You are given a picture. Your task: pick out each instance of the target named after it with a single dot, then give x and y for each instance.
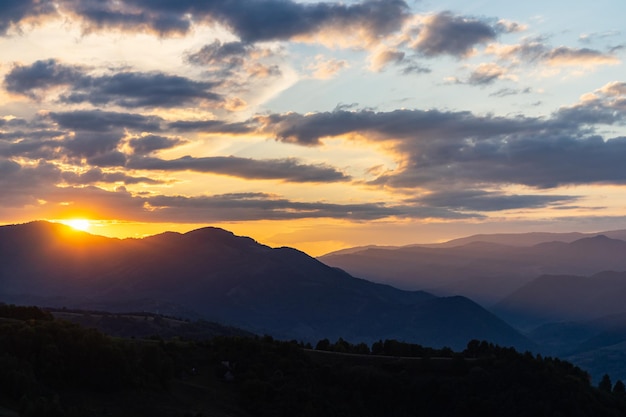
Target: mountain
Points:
(484, 271)
(566, 298)
(212, 274)
(525, 239)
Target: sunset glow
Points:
(78, 224)
(317, 125)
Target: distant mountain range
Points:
(212, 274)
(486, 268)
(566, 298)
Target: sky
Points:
(315, 125)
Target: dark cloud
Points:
(99, 120)
(123, 15)
(40, 76)
(415, 68)
(503, 92)
(14, 122)
(12, 12)
(227, 56)
(252, 21)
(536, 50)
(91, 135)
(91, 144)
(279, 19)
(289, 169)
(423, 124)
(479, 200)
(444, 148)
(151, 143)
(97, 175)
(96, 135)
(212, 126)
(448, 34)
(109, 158)
(134, 89)
(125, 89)
(8, 167)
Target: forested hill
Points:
(55, 368)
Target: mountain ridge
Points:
(484, 271)
(236, 281)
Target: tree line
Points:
(47, 364)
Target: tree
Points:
(605, 384)
(619, 387)
(323, 344)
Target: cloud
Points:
(100, 120)
(593, 36)
(289, 169)
(211, 126)
(261, 20)
(536, 51)
(309, 129)
(325, 68)
(225, 60)
(486, 73)
(606, 105)
(480, 200)
(507, 26)
(35, 79)
(503, 92)
(384, 57)
(278, 19)
(97, 175)
(414, 68)
(130, 16)
(227, 55)
(442, 148)
(13, 12)
(565, 56)
(447, 34)
(92, 144)
(151, 143)
(125, 89)
(94, 135)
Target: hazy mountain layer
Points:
(566, 298)
(484, 271)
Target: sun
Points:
(78, 224)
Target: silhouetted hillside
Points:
(55, 368)
(234, 280)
